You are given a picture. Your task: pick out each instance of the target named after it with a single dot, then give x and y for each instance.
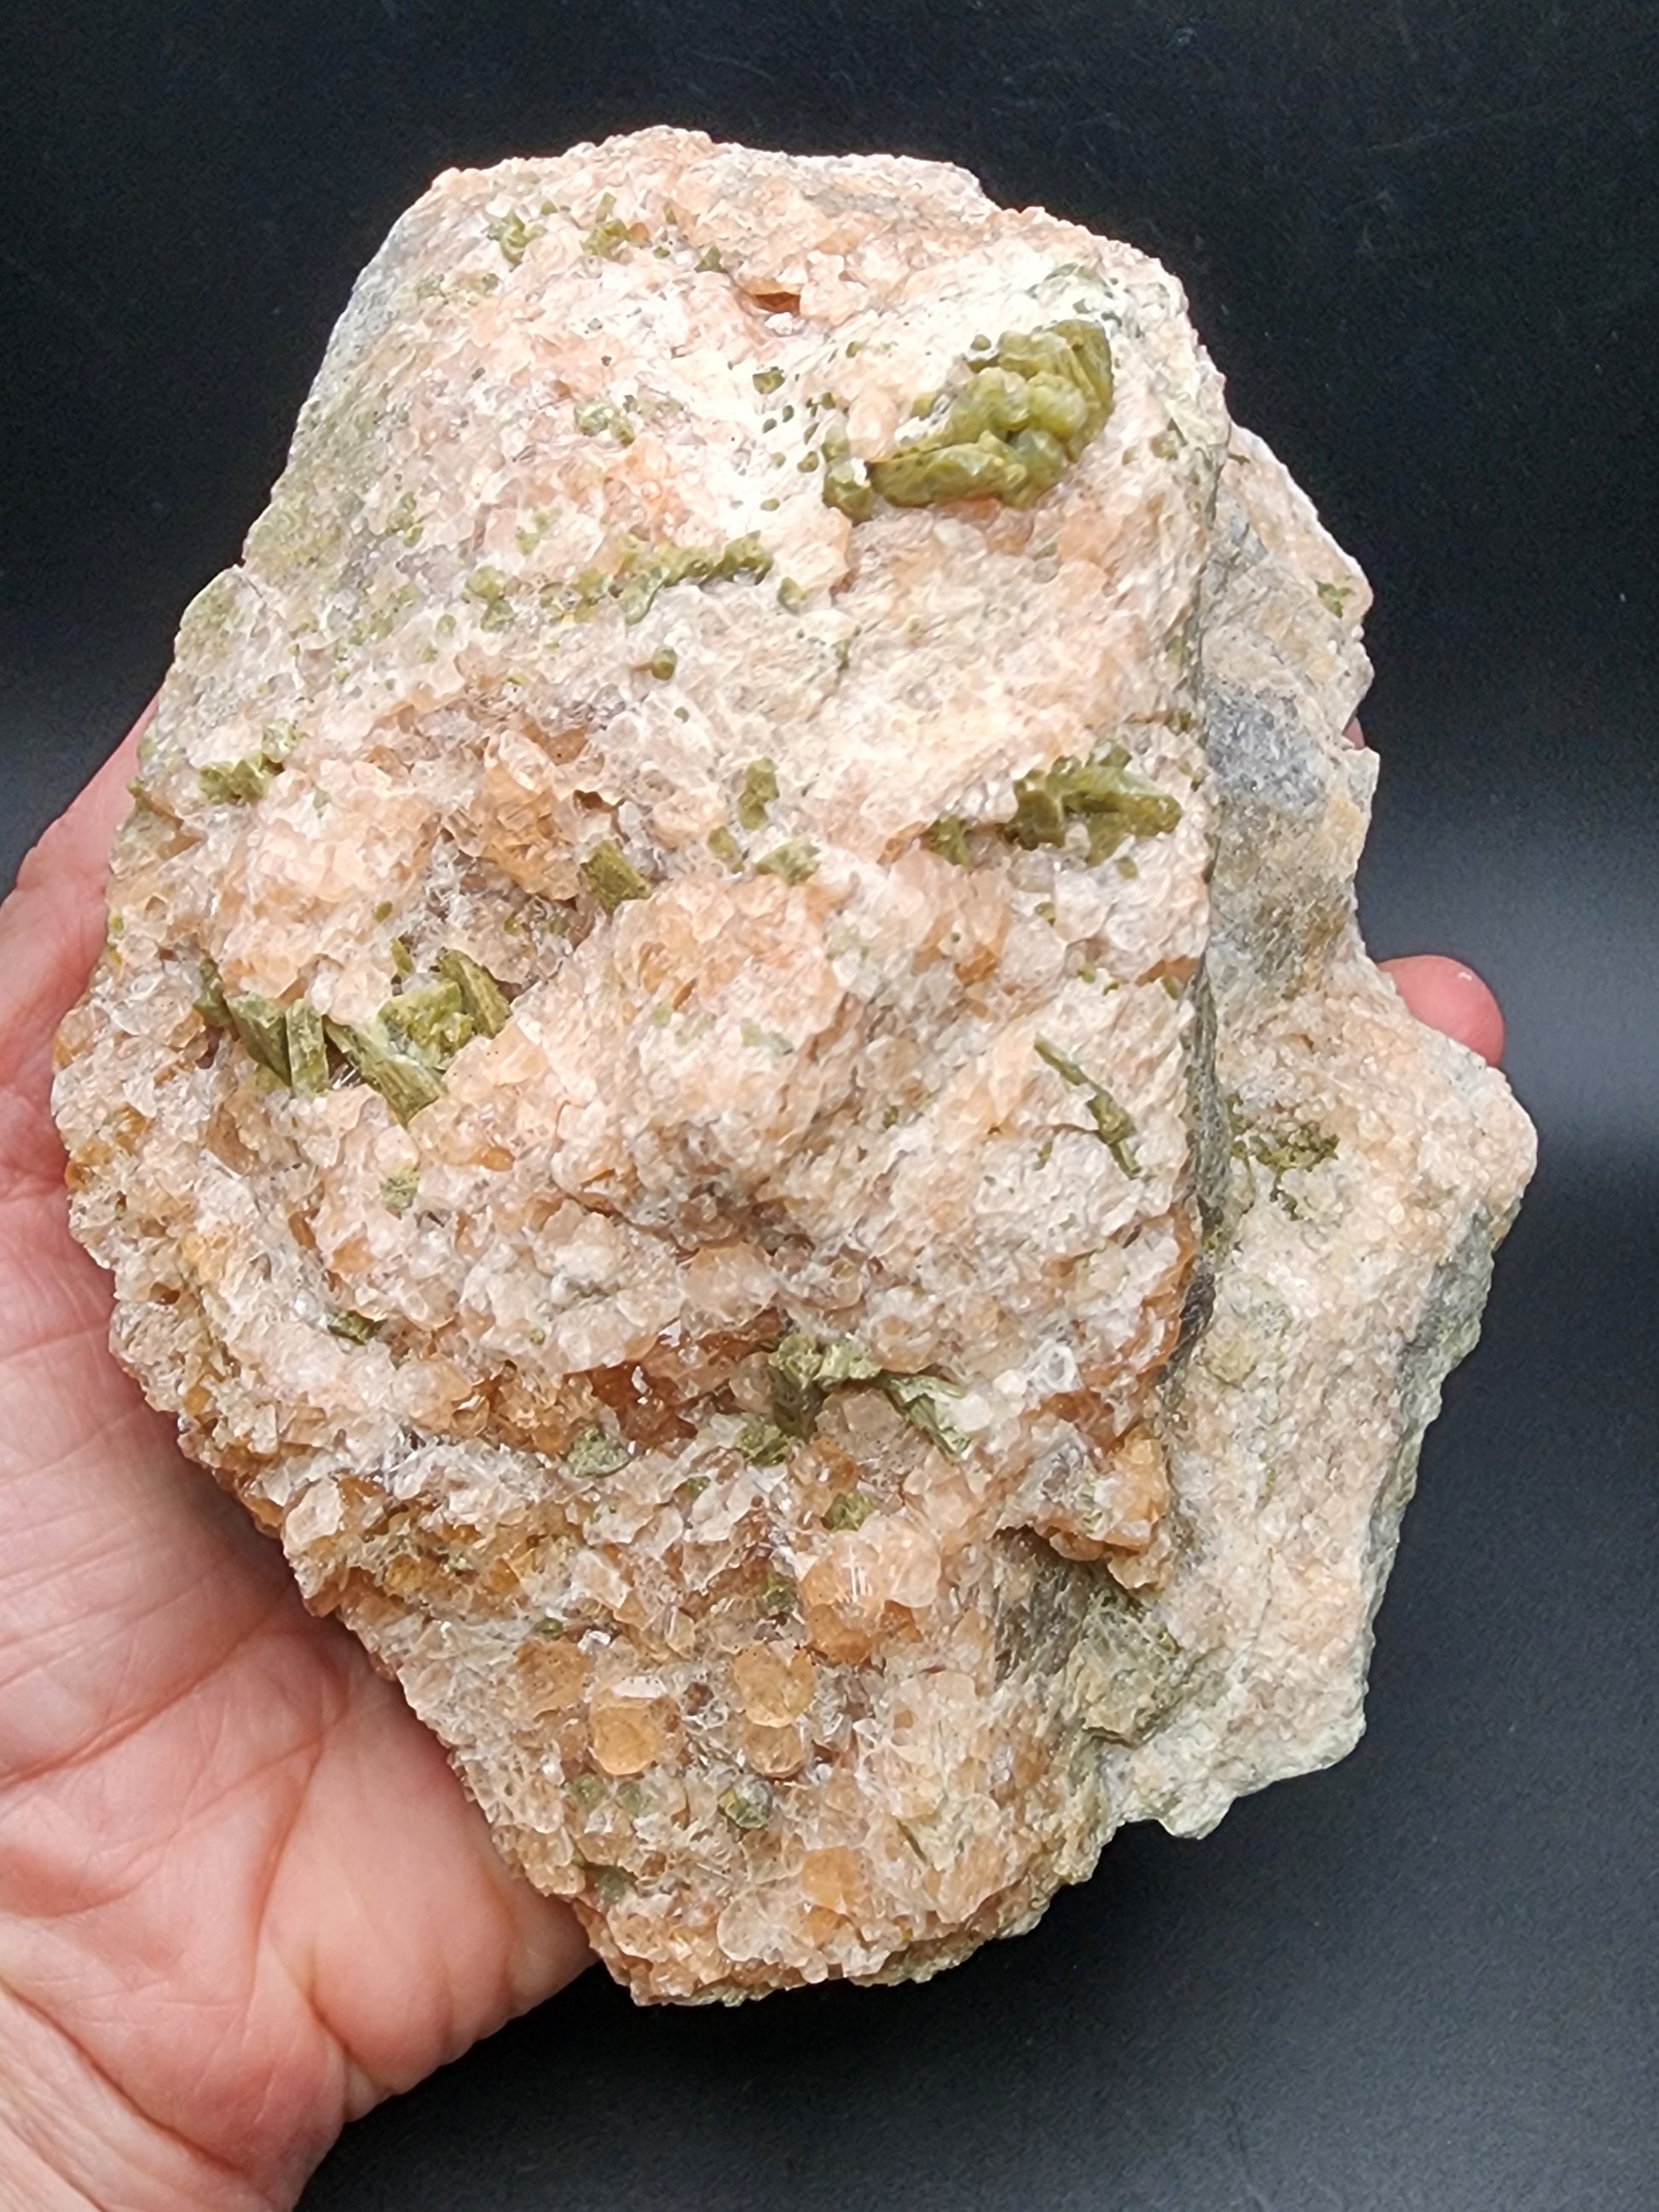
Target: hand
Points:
(244, 1896)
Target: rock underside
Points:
(734, 1081)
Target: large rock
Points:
(734, 1083)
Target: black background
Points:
(1422, 239)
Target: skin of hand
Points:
(242, 1894)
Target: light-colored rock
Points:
(848, 1345)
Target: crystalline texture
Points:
(737, 1088)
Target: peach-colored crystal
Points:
(733, 1082)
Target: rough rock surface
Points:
(734, 1081)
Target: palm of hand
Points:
(243, 1895)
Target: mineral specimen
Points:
(736, 1087)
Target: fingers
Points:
(50, 928)
(75, 850)
(70, 859)
(1451, 997)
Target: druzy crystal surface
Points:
(734, 1084)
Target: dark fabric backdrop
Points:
(1422, 239)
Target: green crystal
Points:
(481, 996)
(1104, 792)
(763, 1443)
(848, 1508)
(398, 1189)
(748, 1803)
(593, 1453)
(612, 878)
(307, 1049)
(238, 781)
(1026, 413)
(925, 1401)
(406, 1082)
(948, 837)
(1113, 1124)
(514, 235)
(263, 1027)
(760, 788)
(794, 862)
(802, 1369)
(779, 1597)
(353, 1328)
(209, 1001)
(430, 1021)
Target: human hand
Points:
(242, 1895)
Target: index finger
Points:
(51, 929)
